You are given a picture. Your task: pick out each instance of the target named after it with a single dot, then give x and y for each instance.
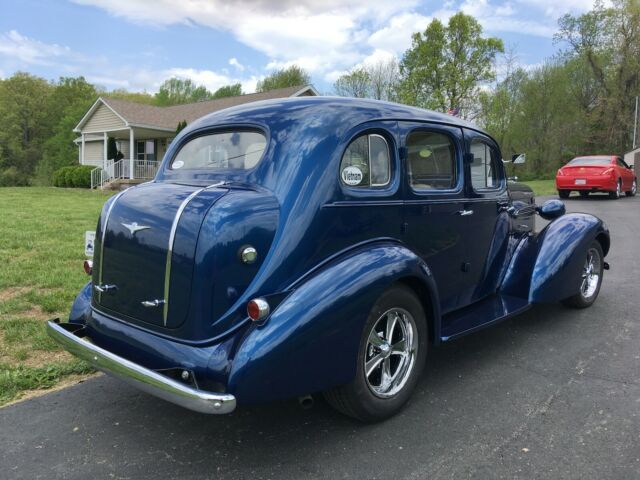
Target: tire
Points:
(372, 398)
(564, 193)
(591, 275)
(634, 188)
(618, 191)
(584, 193)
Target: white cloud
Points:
(30, 51)
(235, 63)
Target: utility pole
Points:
(635, 125)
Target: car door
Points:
(626, 174)
(434, 221)
(487, 224)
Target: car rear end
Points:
(587, 174)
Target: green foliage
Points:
(445, 64)
(136, 97)
(12, 177)
(177, 91)
(112, 148)
(228, 91)
(78, 176)
(356, 83)
(285, 77)
(26, 124)
(181, 126)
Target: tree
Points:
(136, 97)
(356, 83)
(228, 91)
(446, 64)
(286, 77)
(376, 80)
(176, 91)
(181, 126)
(26, 123)
(607, 40)
(69, 101)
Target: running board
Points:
(480, 315)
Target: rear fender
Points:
(310, 342)
(555, 258)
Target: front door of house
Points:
(146, 150)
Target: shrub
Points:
(78, 176)
(11, 177)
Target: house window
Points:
(146, 150)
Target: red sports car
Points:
(596, 173)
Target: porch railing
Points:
(120, 169)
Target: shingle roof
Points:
(168, 117)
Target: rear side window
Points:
(366, 162)
(221, 151)
(431, 161)
(484, 169)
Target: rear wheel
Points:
(564, 193)
(634, 188)
(391, 357)
(618, 191)
(590, 278)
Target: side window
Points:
(366, 162)
(431, 161)
(484, 169)
(621, 163)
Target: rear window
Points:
(590, 161)
(221, 151)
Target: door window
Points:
(366, 162)
(484, 168)
(431, 161)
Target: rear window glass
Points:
(366, 162)
(221, 151)
(590, 161)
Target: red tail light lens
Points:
(608, 171)
(257, 309)
(560, 172)
(88, 267)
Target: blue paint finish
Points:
(561, 255)
(310, 342)
(326, 252)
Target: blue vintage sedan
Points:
(308, 245)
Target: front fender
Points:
(310, 342)
(561, 255)
(81, 308)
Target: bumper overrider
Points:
(70, 337)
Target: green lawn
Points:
(41, 254)
(542, 187)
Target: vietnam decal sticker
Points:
(352, 175)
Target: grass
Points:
(542, 187)
(41, 253)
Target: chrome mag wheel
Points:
(391, 352)
(591, 274)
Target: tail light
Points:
(560, 172)
(88, 267)
(608, 171)
(257, 309)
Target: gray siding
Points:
(93, 153)
(103, 119)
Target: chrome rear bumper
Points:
(140, 377)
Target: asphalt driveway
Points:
(554, 393)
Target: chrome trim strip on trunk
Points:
(104, 234)
(172, 235)
(150, 381)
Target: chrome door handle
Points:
(464, 213)
(152, 303)
(104, 288)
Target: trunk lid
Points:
(147, 253)
(578, 170)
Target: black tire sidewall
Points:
(370, 407)
(578, 300)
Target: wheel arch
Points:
(430, 305)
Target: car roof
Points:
(360, 110)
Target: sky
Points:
(137, 44)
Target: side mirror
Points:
(630, 167)
(551, 209)
(518, 158)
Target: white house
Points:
(631, 157)
(143, 132)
